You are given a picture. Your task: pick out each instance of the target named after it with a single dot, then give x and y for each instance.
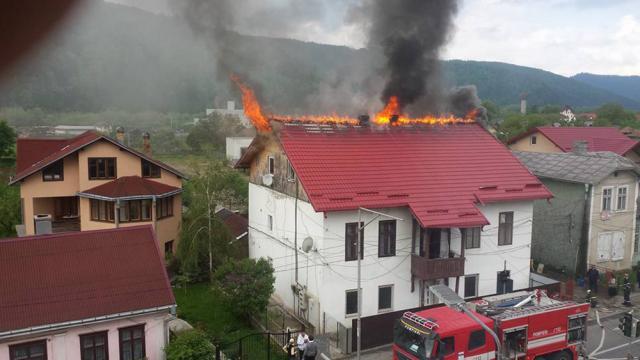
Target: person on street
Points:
(291, 348)
(593, 276)
(311, 350)
(626, 288)
(302, 343)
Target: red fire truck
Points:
(529, 326)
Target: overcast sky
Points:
(562, 36)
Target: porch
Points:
(62, 211)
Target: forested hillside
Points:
(628, 86)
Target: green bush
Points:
(190, 345)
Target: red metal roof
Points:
(50, 279)
(440, 173)
(597, 138)
(35, 154)
(131, 186)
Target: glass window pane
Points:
(138, 350)
(87, 354)
(87, 342)
(146, 209)
(125, 334)
(137, 333)
(126, 353)
(352, 302)
(99, 340)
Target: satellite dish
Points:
(307, 244)
(267, 179)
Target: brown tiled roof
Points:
(131, 186)
(51, 279)
(35, 154)
(237, 224)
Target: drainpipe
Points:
(586, 228)
(116, 215)
(154, 215)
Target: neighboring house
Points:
(230, 110)
(549, 139)
(93, 182)
(101, 294)
(75, 130)
(238, 227)
(592, 218)
(236, 146)
(465, 202)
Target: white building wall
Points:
(328, 276)
(234, 146)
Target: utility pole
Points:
(358, 255)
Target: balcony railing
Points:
(431, 269)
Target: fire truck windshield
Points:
(413, 341)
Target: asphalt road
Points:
(615, 344)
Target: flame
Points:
(393, 109)
(251, 106)
(253, 111)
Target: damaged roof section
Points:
(440, 172)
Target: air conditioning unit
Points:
(267, 179)
(43, 224)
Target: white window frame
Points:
(626, 198)
(348, 315)
(477, 289)
(533, 140)
(291, 173)
(390, 308)
(271, 159)
(270, 222)
(611, 204)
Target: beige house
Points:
(550, 139)
(92, 182)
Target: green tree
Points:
(9, 209)
(493, 111)
(204, 239)
(7, 139)
(210, 133)
(615, 114)
(246, 284)
(190, 345)
(515, 124)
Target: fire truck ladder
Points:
(428, 324)
(511, 313)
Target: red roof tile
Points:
(236, 223)
(131, 186)
(50, 279)
(38, 153)
(597, 138)
(441, 173)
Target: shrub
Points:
(190, 345)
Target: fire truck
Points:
(527, 326)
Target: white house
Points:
(230, 110)
(461, 208)
(236, 146)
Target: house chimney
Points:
(120, 134)
(231, 105)
(363, 120)
(146, 143)
(394, 120)
(579, 147)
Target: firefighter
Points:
(626, 288)
(593, 276)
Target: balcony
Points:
(431, 269)
(65, 224)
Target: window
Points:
(607, 197)
(446, 347)
(272, 165)
(611, 246)
(164, 207)
(385, 298)
(36, 350)
(505, 228)
(471, 238)
(386, 238)
(54, 172)
(621, 200)
(102, 210)
(291, 174)
(270, 222)
(471, 286)
(134, 210)
(132, 343)
(102, 168)
(168, 248)
(94, 346)
(145, 208)
(149, 169)
(476, 339)
(352, 302)
(534, 139)
(351, 241)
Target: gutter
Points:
(125, 198)
(94, 320)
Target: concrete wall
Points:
(558, 226)
(543, 144)
(234, 146)
(65, 344)
(618, 221)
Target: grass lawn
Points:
(202, 307)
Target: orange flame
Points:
(253, 111)
(251, 106)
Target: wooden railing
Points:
(432, 269)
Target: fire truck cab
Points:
(530, 326)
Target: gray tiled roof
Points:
(588, 168)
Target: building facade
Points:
(438, 226)
(90, 307)
(92, 182)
